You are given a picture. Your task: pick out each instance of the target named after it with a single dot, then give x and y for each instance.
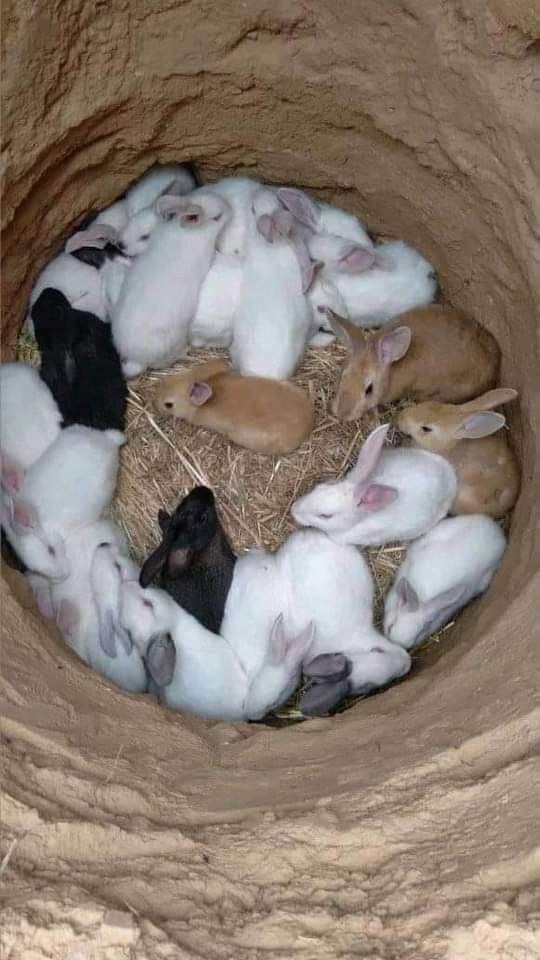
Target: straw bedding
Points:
(165, 458)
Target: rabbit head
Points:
(181, 394)
(366, 372)
(42, 550)
(135, 237)
(185, 534)
(438, 427)
(408, 620)
(145, 614)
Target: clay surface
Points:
(404, 828)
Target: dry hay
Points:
(165, 458)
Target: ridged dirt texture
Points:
(404, 828)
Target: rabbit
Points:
(172, 179)
(212, 325)
(70, 485)
(86, 605)
(278, 677)
(268, 416)
(388, 495)
(377, 285)
(239, 193)
(194, 562)
(29, 420)
(324, 593)
(442, 571)
(159, 297)
(433, 352)
(273, 319)
(194, 669)
(79, 363)
(137, 233)
(487, 471)
(323, 218)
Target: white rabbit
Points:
(442, 571)
(135, 237)
(159, 297)
(273, 319)
(324, 593)
(172, 179)
(70, 485)
(239, 193)
(323, 218)
(376, 285)
(388, 495)
(193, 668)
(29, 420)
(86, 604)
(218, 302)
(279, 672)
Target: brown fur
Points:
(268, 416)
(486, 467)
(451, 358)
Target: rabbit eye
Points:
(51, 551)
(427, 429)
(321, 309)
(325, 516)
(168, 404)
(145, 236)
(369, 389)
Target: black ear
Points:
(164, 519)
(153, 565)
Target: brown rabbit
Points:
(486, 467)
(430, 353)
(269, 416)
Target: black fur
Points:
(10, 556)
(95, 257)
(194, 562)
(79, 363)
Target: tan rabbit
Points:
(430, 353)
(486, 467)
(268, 416)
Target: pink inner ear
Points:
(356, 260)
(377, 496)
(24, 514)
(200, 393)
(12, 474)
(67, 617)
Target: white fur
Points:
(117, 215)
(323, 218)
(80, 283)
(400, 280)
(446, 568)
(159, 297)
(239, 193)
(273, 319)
(321, 297)
(310, 579)
(86, 604)
(69, 486)
(218, 303)
(154, 182)
(136, 235)
(113, 276)
(423, 487)
(29, 417)
(208, 678)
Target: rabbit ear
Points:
(493, 398)
(98, 235)
(164, 519)
(355, 259)
(289, 648)
(107, 639)
(67, 617)
(300, 205)
(283, 222)
(392, 346)
(480, 425)
(161, 659)
(370, 454)
(375, 497)
(200, 393)
(24, 515)
(308, 267)
(12, 474)
(351, 336)
(446, 599)
(169, 206)
(265, 226)
(177, 188)
(321, 698)
(153, 565)
(328, 666)
(408, 594)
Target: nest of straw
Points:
(165, 458)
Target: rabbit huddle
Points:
(264, 272)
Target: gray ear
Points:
(300, 205)
(328, 666)
(107, 639)
(408, 594)
(480, 425)
(323, 697)
(177, 188)
(124, 637)
(392, 346)
(161, 659)
(448, 597)
(168, 206)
